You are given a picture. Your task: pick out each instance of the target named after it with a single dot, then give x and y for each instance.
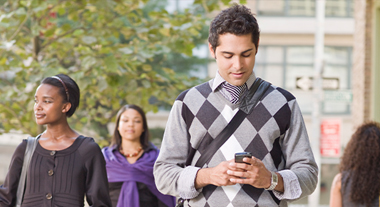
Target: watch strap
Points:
(274, 181)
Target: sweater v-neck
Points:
(222, 98)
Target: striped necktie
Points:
(235, 91)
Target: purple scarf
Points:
(120, 170)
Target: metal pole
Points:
(317, 92)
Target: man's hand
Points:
(255, 174)
(216, 175)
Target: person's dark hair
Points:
(144, 138)
(237, 20)
(68, 89)
(361, 159)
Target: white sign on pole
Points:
(330, 83)
(341, 95)
(306, 83)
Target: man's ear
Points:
(66, 107)
(211, 50)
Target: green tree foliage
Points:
(116, 50)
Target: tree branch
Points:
(58, 37)
(19, 27)
(205, 6)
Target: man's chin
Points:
(236, 82)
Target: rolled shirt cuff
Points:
(292, 188)
(186, 183)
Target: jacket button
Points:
(49, 196)
(52, 153)
(50, 172)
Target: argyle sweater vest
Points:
(260, 133)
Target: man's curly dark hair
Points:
(361, 159)
(237, 20)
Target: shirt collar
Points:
(218, 80)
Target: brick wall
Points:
(362, 61)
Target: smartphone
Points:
(240, 155)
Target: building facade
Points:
(366, 64)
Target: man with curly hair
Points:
(282, 166)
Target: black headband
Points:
(64, 85)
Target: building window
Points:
(283, 65)
(305, 8)
(300, 8)
(339, 8)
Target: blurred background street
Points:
(147, 51)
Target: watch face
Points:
(275, 178)
(274, 181)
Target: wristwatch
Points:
(274, 181)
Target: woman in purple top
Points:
(129, 162)
(65, 167)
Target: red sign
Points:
(330, 138)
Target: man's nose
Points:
(238, 62)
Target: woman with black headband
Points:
(65, 166)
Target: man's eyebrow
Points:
(247, 51)
(231, 53)
(225, 52)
